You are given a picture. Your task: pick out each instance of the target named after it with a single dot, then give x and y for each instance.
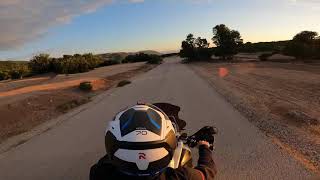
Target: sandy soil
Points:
(282, 99)
(27, 103)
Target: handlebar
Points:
(204, 134)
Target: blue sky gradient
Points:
(162, 25)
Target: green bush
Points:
(123, 83)
(15, 74)
(85, 86)
(13, 69)
(68, 64)
(4, 75)
(71, 65)
(154, 59)
(41, 64)
(110, 62)
(140, 57)
(304, 45)
(92, 60)
(263, 47)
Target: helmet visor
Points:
(132, 120)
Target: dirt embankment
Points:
(282, 99)
(27, 103)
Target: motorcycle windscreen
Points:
(133, 120)
(172, 111)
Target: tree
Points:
(305, 37)
(226, 40)
(190, 40)
(195, 48)
(93, 60)
(187, 47)
(304, 45)
(201, 43)
(40, 64)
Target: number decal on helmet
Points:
(143, 133)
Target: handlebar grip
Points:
(204, 134)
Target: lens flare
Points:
(223, 72)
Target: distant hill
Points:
(149, 52)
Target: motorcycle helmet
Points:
(140, 141)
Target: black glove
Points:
(204, 134)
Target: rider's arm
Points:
(205, 169)
(205, 163)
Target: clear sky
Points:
(57, 27)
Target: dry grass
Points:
(282, 99)
(28, 103)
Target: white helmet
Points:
(141, 140)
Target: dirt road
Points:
(68, 150)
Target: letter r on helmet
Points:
(142, 156)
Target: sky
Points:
(57, 27)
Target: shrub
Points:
(15, 74)
(92, 60)
(4, 75)
(154, 59)
(85, 86)
(68, 64)
(140, 57)
(71, 65)
(110, 62)
(40, 64)
(265, 56)
(123, 83)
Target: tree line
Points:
(71, 64)
(67, 64)
(228, 42)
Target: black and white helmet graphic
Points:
(141, 140)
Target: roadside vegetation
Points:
(123, 83)
(85, 86)
(13, 70)
(141, 57)
(304, 46)
(281, 99)
(226, 43)
(68, 64)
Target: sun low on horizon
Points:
(60, 27)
